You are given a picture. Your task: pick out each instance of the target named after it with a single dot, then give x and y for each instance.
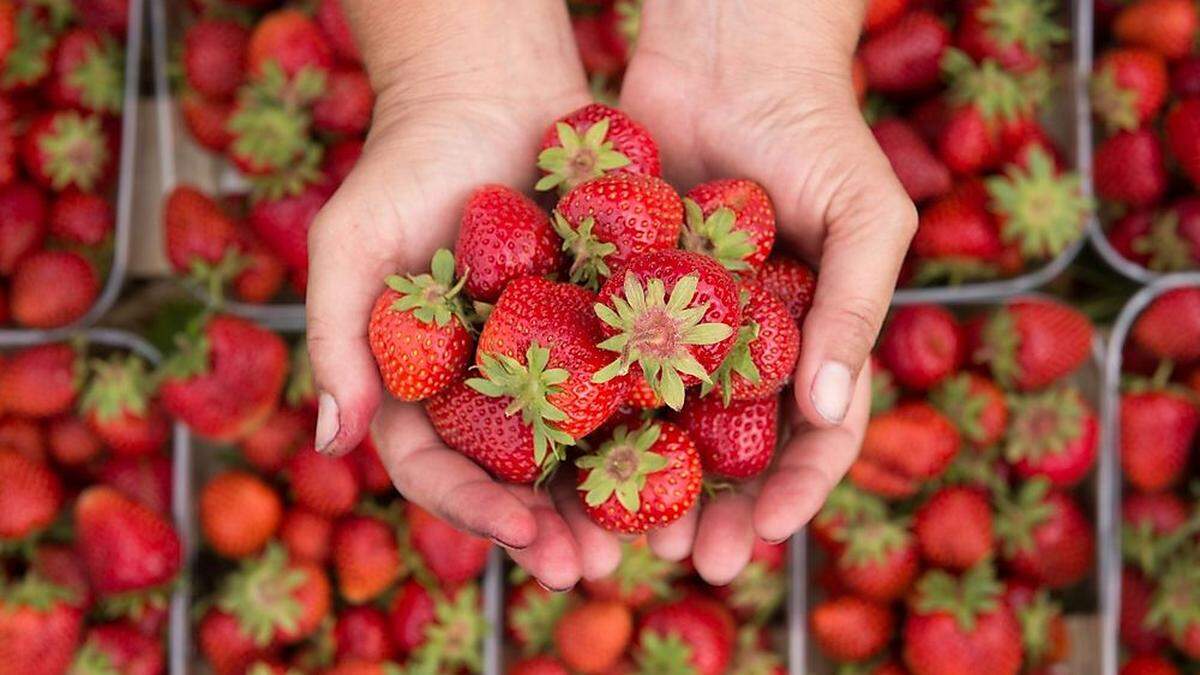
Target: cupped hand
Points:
(467, 108)
(762, 90)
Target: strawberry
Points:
(239, 513)
(108, 15)
(538, 665)
(592, 637)
(673, 315)
(22, 223)
(1029, 343)
(370, 470)
(65, 148)
(207, 120)
(954, 528)
(60, 565)
(957, 239)
(1149, 664)
(792, 281)
(592, 141)
(71, 443)
(282, 223)
(87, 72)
(410, 613)
(1038, 209)
(1045, 536)
(920, 171)
(7, 29)
(262, 273)
(478, 426)
(904, 447)
(731, 220)
(1128, 87)
(1166, 242)
(306, 535)
(879, 560)
(606, 221)
(1169, 328)
(80, 218)
(362, 633)
(322, 484)
(340, 158)
(1173, 607)
(693, 634)
(1181, 128)
(346, 104)
(961, 626)
(1137, 593)
(274, 600)
(1152, 527)
(39, 381)
(845, 506)
(450, 639)
(601, 58)
(905, 58)
(39, 627)
(452, 556)
(214, 51)
(1018, 34)
(764, 357)
(641, 479)
(639, 579)
(1165, 26)
(1053, 433)
(24, 437)
(976, 406)
(921, 346)
(418, 331)
(882, 13)
(1158, 428)
(289, 39)
(1185, 77)
(332, 20)
(121, 648)
(759, 590)
(52, 289)
(849, 628)
(30, 498)
(125, 545)
(227, 647)
(225, 378)
(1129, 168)
(365, 557)
(1044, 637)
(146, 480)
(735, 440)
(984, 98)
(119, 407)
(531, 613)
(503, 235)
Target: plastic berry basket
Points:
(123, 195)
(1088, 606)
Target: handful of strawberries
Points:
(550, 337)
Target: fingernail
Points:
(503, 544)
(831, 391)
(552, 590)
(776, 542)
(327, 422)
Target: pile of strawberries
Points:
(955, 93)
(283, 96)
(62, 68)
(651, 616)
(88, 551)
(549, 335)
(314, 563)
(960, 525)
(1159, 417)
(1146, 98)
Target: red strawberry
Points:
(366, 557)
(306, 535)
(119, 407)
(694, 634)
(1149, 664)
(984, 100)
(7, 29)
(640, 578)
(322, 484)
(108, 15)
(538, 665)
(1158, 429)
(332, 20)
(879, 560)
(1130, 237)
(1169, 328)
(24, 437)
(87, 72)
(268, 447)
(144, 479)
(920, 171)
(1030, 343)
(71, 443)
(262, 273)
(121, 647)
(372, 474)
(1137, 593)
(954, 528)
(1129, 168)
(289, 39)
(976, 406)
(125, 546)
(906, 58)
(9, 156)
(66, 148)
(452, 556)
(39, 627)
(961, 626)
(957, 239)
(735, 440)
(345, 106)
(503, 235)
(30, 498)
(340, 158)
(903, 448)
(453, 624)
(214, 51)
(274, 600)
(792, 281)
(80, 218)
(410, 614)
(531, 612)
(1181, 128)
(592, 637)
(1170, 240)
(1128, 87)
(1172, 608)
(362, 633)
(731, 220)
(641, 479)
(60, 565)
(239, 513)
(282, 223)
(850, 628)
(1053, 434)
(601, 139)
(1045, 536)
(228, 648)
(882, 13)
(673, 314)
(207, 120)
(52, 289)
(418, 331)
(1044, 634)
(226, 377)
(921, 346)
(1039, 210)
(763, 358)
(1185, 77)
(605, 221)
(39, 381)
(1018, 34)
(1152, 526)
(479, 427)
(1165, 26)
(845, 507)
(593, 37)
(22, 223)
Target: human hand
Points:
(463, 94)
(762, 90)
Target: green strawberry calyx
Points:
(954, 270)
(629, 19)
(92, 660)
(1036, 619)
(620, 467)
(300, 385)
(953, 398)
(29, 60)
(663, 654)
(36, 592)
(589, 268)
(100, 77)
(1040, 210)
(1027, 23)
(739, 361)
(640, 568)
(1020, 514)
(657, 332)
(884, 392)
(1043, 424)
(1175, 606)
(578, 158)
(850, 505)
(454, 640)
(999, 95)
(535, 618)
(120, 385)
(433, 297)
(966, 598)
(259, 595)
(1168, 251)
(1114, 104)
(759, 590)
(716, 236)
(1000, 345)
(530, 386)
(75, 150)
(192, 348)
(870, 541)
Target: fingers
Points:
(446, 483)
(599, 550)
(810, 464)
(723, 542)
(554, 557)
(674, 542)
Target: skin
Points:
(755, 89)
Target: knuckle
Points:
(854, 322)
